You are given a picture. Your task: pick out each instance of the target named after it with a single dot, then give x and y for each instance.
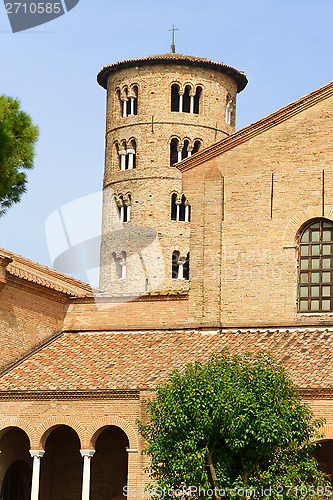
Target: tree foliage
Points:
(233, 423)
(17, 138)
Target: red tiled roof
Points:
(33, 272)
(239, 76)
(109, 360)
(256, 128)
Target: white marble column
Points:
(187, 213)
(189, 152)
(177, 210)
(124, 99)
(181, 94)
(179, 151)
(36, 455)
(123, 154)
(191, 103)
(131, 153)
(180, 270)
(86, 454)
(121, 213)
(132, 106)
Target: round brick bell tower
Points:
(160, 109)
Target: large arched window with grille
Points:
(316, 267)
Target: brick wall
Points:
(253, 258)
(26, 319)
(162, 312)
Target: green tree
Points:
(233, 423)
(17, 138)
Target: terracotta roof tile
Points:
(139, 360)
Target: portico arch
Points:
(61, 465)
(47, 426)
(7, 423)
(94, 428)
(109, 465)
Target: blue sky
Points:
(284, 47)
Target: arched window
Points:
(131, 155)
(175, 97)
(175, 265)
(174, 151)
(180, 266)
(125, 100)
(185, 150)
(173, 206)
(186, 99)
(315, 284)
(127, 208)
(180, 210)
(127, 155)
(124, 207)
(196, 107)
(133, 101)
(197, 146)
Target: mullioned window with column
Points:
(180, 208)
(124, 207)
(127, 98)
(126, 152)
(185, 99)
(180, 266)
(179, 150)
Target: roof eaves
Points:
(33, 272)
(173, 59)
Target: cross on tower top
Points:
(173, 47)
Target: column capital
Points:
(37, 453)
(131, 151)
(87, 453)
(122, 152)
